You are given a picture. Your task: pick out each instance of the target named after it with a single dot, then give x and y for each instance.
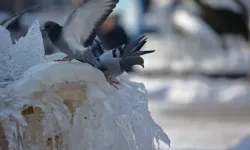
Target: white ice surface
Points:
(5, 44)
(118, 119)
(27, 52)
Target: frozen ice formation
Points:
(71, 106)
(17, 58)
(5, 44)
(27, 52)
(102, 117)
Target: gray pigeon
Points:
(114, 62)
(5, 23)
(79, 31)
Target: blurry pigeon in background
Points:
(5, 23)
(114, 62)
(79, 31)
(225, 21)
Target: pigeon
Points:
(114, 62)
(5, 23)
(77, 34)
(77, 39)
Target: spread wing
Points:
(5, 23)
(86, 18)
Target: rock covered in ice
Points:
(75, 108)
(5, 44)
(70, 105)
(27, 52)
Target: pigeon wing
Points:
(5, 23)
(86, 18)
(134, 46)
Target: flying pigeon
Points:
(5, 23)
(79, 31)
(114, 62)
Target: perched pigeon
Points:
(5, 23)
(114, 62)
(77, 39)
(79, 31)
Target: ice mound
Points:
(70, 106)
(27, 52)
(5, 44)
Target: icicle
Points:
(13, 125)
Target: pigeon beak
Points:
(142, 65)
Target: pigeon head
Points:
(53, 29)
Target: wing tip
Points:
(5, 23)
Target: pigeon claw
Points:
(64, 59)
(113, 83)
(116, 82)
(60, 60)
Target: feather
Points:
(86, 18)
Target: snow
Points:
(106, 118)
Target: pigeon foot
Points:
(64, 59)
(113, 83)
(116, 82)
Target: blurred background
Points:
(198, 78)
